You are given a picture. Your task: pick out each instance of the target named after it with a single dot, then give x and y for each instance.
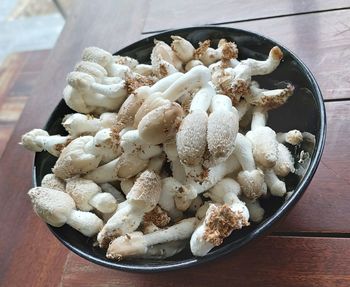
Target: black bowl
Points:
(304, 111)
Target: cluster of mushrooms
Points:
(158, 154)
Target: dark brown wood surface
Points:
(269, 261)
(31, 256)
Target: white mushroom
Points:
(80, 124)
(53, 182)
(191, 139)
(222, 128)
(276, 186)
(84, 95)
(293, 137)
(285, 161)
(57, 208)
(250, 178)
(39, 140)
(136, 243)
(256, 212)
(106, 60)
(177, 168)
(182, 48)
(118, 195)
(263, 139)
(88, 195)
(219, 222)
(170, 186)
(142, 198)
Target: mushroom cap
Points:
(53, 182)
(161, 124)
(104, 202)
(191, 139)
(30, 142)
(285, 161)
(157, 216)
(152, 102)
(82, 190)
(182, 48)
(53, 206)
(228, 50)
(191, 64)
(86, 223)
(146, 190)
(129, 165)
(264, 146)
(97, 55)
(221, 134)
(126, 61)
(75, 160)
(252, 183)
(220, 221)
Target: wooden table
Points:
(310, 248)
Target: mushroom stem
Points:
(56, 208)
(137, 243)
(276, 186)
(142, 198)
(38, 140)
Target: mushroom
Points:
(182, 48)
(84, 95)
(293, 137)
(185, 84)
(234, 82)
(88, 195)
(118, 195)
(126, 61)
(219, 222)
(285, 161)
(84, 154)
(225, 51)
(79, 124)
(222, 128)
(97, 71)
(270, 99)
(177, 168)
(276, 186)
(105, 59)
(142, 198)
(250, 178)
(157, 216)
(39, 140)
(214, 174)
(256, 212)
(191, 139)
(137, 243)
(263, 139)
(57, 208)
(170, 186)
(193, 63)
(164, 61)
(161, 124)
(53, 182)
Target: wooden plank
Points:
(25, 244)
(327, 199)
(269, 261)
(179, 13)
(320, 40)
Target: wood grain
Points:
(179, 13)
(268, 261)
(329, 189)
(25, 244)
(320, 40)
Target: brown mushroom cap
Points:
(161, 124)
(146, 190)
(191, 139)
(53, 206)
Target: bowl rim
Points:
(262, 227)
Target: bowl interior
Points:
(303, 111)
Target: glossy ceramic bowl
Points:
(304, 111)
